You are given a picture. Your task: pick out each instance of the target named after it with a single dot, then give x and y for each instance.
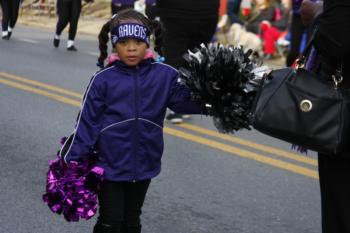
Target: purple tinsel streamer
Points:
(71, 188)
(311, 61)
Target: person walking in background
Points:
(118, 5)
(124, 126)
(10, 10)
(68, 12)
(332, 43)
(187, 23)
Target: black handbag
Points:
(299, 107)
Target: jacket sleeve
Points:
(333, 37)
(179, 99)
(80, 144)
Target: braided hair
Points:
(154, 26)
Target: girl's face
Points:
(131, 51)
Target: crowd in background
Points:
(272, 28)
(275, 24)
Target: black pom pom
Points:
(223, 81)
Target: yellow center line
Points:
(230, 138)
(253, 145)
(40, 84)
(244, 153)
(210, 143)
(40, 92)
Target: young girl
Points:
(122, 118)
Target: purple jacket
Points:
(122, 117)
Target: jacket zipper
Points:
(136, 123)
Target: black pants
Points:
(68, 12)
(334, 175)
(183, 34)
(9, 13)
(118, 7)
(297, 30)
(121, 202)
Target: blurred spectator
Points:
(118, 5)
(268, 19)
(264, 10)
(187, 23)
(9, 16)
(282, 16)
(259, 22)
(272, 31)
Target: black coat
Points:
(333, 37)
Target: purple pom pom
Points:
(69, 190)
(63, 140)
(300, 149)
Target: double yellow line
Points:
(74, 99)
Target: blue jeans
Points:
(233, 7)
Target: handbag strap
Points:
(337, 77)
(300, 62)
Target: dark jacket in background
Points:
(193, 9)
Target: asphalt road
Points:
(210, 183)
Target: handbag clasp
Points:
(300, 62)
(305, 105)
(337, 78)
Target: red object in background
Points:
(270, 35)
(245, 12)
(264, 26)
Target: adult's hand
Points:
(309, 10)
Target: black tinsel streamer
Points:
(222, 80)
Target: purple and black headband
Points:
(130, 30)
